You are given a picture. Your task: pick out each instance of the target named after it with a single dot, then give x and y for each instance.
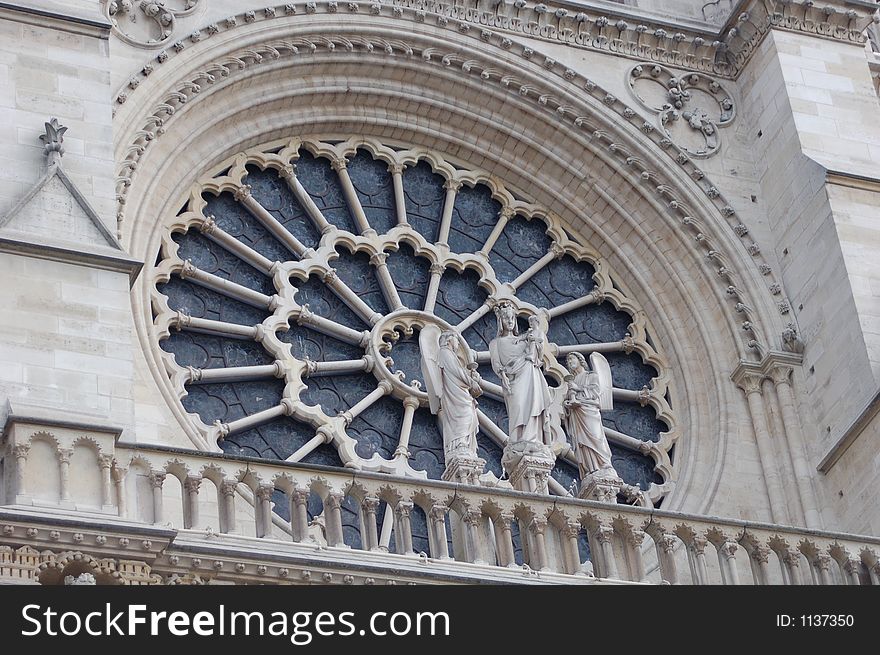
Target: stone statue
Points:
(453, 385)
(518, 361)
(588, 393)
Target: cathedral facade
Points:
(417, 291)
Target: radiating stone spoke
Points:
(350, 298)
(474, 317)
(366, 402)
(235, 373)
(505, 216)
(591, 298)
(294, 245)
(386, 283)
(436, 271)
(354, 204)
(331, 328)
(338, 367)
(492, 390)
(527, 274)
(184, 321)
(212, 231)
(226, 287)
(396, 171)
(624, 345)
(308, 447)
(254, 420)
(305, 200)
(631, 443)
(452, 187)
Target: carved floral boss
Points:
(692, 101)
(147, 22)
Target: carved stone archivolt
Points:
(690, 107)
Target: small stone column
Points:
(300, 516)
(20, 452)
(64, 455)
(760, 556)
(106, 463)
(371, 537)
(191, 490)
(851, 567)
(227, 509)
(697, 550)
(119, 474)
(157, 479)
(504, 539)
(333, 514)
(438, 522)
(792, 562)
(403, 541)
(604, 534)
(572, 552)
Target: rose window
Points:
(291, 289)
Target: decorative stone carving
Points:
(148, 23)
(453, 385)
(692, 99)
(588, 393)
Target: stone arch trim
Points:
(661, 185)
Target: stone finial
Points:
(53, 140)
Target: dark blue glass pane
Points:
(584, 546)
(425, 195)
(474, 214)
(491, 452)
(277, 439)
(306, 343)
(559, 282)
(411, 276)
(199, 302)
(322, 184)
(227, 402)
(407, 358)
(357, 273)
(520, 245)
(336, 393)
(628, 371)
(351, 523)
(565, 474)
(517, 542)
(273, 193)
(419, 523)
(634, 468)
(325, 455)
(204, 351)
(600, 323)
(281, 504)
(634, 420)
(426, 445)
(211, 258)
(459, 295)
(377, 429)
(324, 302)
(375, 190)
(233, 218)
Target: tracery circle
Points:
(290, 289)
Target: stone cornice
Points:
(42, 18)
(686, 45)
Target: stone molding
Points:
(695, 47)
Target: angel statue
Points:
(588, 393)
(453, 384)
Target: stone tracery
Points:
(292, 295)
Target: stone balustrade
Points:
(466, 531)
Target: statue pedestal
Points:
(464, 468)
(529, 466)
(602, 486)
